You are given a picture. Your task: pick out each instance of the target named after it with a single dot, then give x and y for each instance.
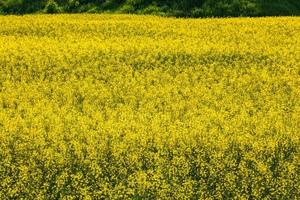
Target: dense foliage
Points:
(136, 107)
(183, 8)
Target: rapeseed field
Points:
(143, 107)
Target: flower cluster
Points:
(143, 107)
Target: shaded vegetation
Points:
(179, 8)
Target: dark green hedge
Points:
(180, 8)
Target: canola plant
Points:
(143, 107)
